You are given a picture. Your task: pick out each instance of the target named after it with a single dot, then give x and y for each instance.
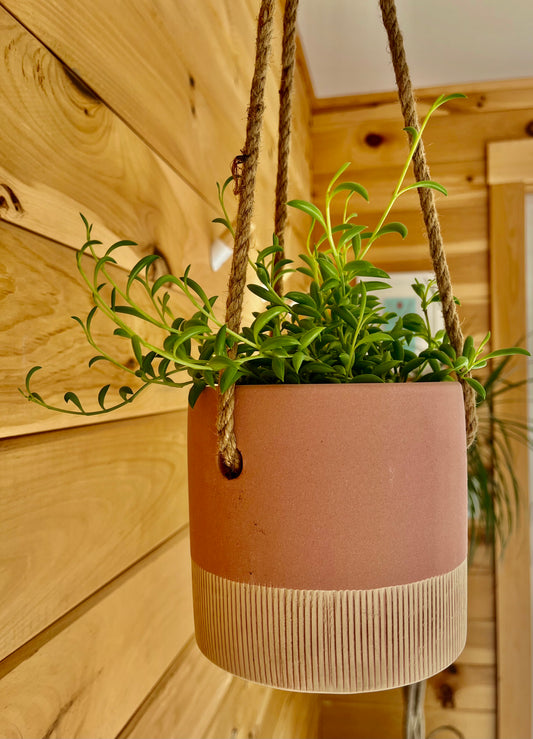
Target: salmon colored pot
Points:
(336, 561)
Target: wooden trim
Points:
(508, 322)
(511, 162)
(327, 104)
(301, 61)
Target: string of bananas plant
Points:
(338, 331)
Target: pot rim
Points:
(427, 387)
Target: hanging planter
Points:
(336, 560)
(327, 459)
(329, 555)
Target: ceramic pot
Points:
(336, 561)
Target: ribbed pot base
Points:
(329, 641)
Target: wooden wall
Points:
(128, 112)
(367, 131)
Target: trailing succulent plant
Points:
(338, 331)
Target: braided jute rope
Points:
(414, 719)
(227, 445)
(288, 58)
(427, 202)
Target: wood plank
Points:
(103, 169)
(175, 87)
(463, 687)
(459, 687)
(481, 97)
(480, 646)
(172, 709)
(344, 136)
(276, 714)
(40, 289)
(79, 507)
(241, 712)
(100, 167)
(182, 100)
(513, 588)
(464, 181)
(88, 674)
(467, 261)
(482, 559)
(256, 710)
(362, 720)
(481, 598)
(298, 718)
(464, 229)
(480, 724)
(359, 720)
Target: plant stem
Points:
(397, 189)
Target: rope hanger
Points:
(427, 203)
(245, 169)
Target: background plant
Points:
(493, 487)
(337, 331)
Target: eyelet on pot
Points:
(226, 470)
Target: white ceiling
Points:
(446, 41)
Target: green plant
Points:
(337, 331)
(493, 487)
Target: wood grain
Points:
(461, 227)
(229, 705)
(481, 724)
(183, 100)
(481, 597)
(342, 137)
(79, 507)
(464, 181)
(460, 689)
(343, 720)
(513, 570)
(64, 151)
(171, 710)
(92, 675)
(178, 73)
(97, 159)
(242, 712)
(463, 687)
(480, 646)
(254, 710)
(296, 718)
(40, 289)
(482, 559)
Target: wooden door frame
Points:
(510, 177)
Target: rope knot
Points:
(236, 171)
